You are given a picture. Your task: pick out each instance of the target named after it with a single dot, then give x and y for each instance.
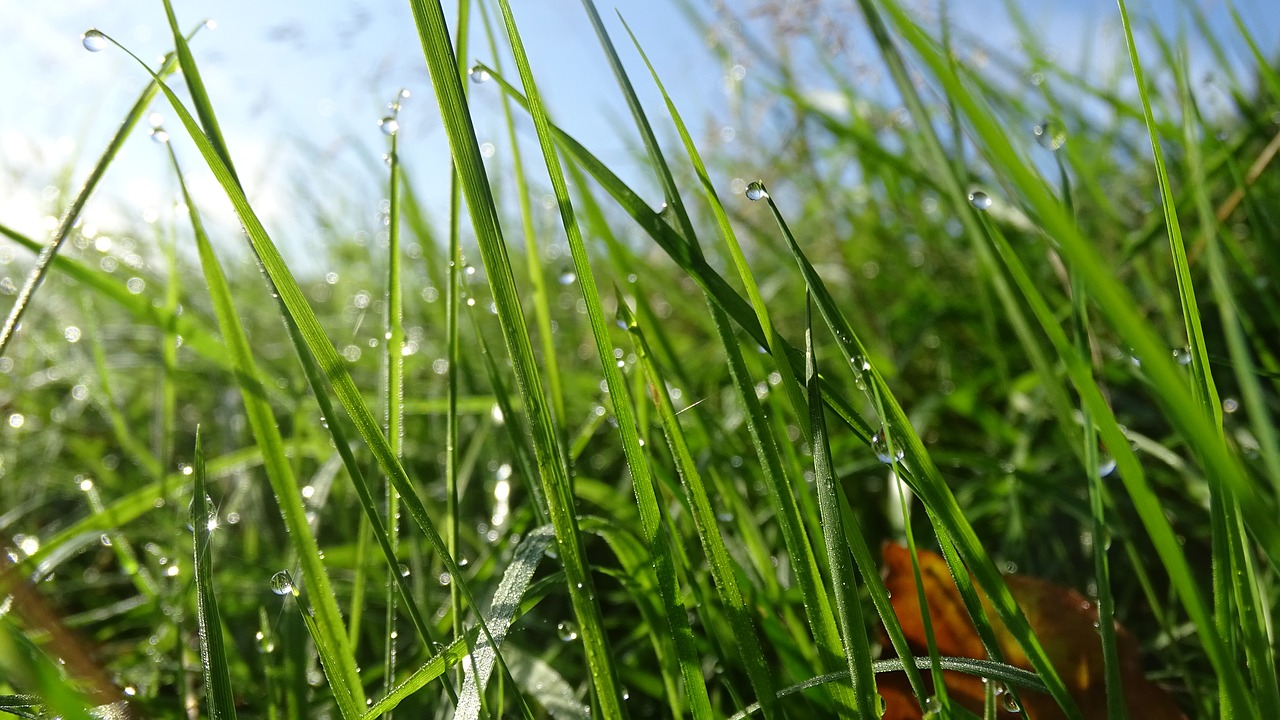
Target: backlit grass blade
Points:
(857, 649)
(345, 679)
(789, 381)
(393, 363)
(296, 310)
(997, 672)
(506, 601)
(1240, 598)
(723, 569)
(1168, 385)
(1102, 533)
(532, 251)
(782, 493)
(196, 335)
(642, 480)
(72, 215)
(213, 655)
(928, 485)
(438, 51)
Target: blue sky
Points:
(300, 88)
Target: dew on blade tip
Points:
(980, 200)
(282, 583)
(93, 40)
(755, 191)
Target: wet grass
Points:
(466, 473)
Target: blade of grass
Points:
(1168, 386)
(393, 359)
(857, 649)
(745, 635)
(929, 485)
(1239, 599)
(332, 637)
(213, 654)
(642, 480)
(1101, 532)
(72, 215)
(1007, 674)
(506, 601)
(799, 546)
(438, 52)
(532, 252)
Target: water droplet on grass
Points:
(389, 125)
(1106, 466)
(567, 630)
(980, 200)
(282, 583)
(1050, 135)
(93, 40)
(1182, 356)
(756, 191)
(207, 515)
(159, 135)
(881, 448)
(478, 75)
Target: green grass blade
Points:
(723, 570)
(199, 97)
(69, 219)
(345, 679)
(857, 649)
(213, 654)
(774, 340)
(532, 253)
(637, 463)
(782, 493)
(1240, 599)
(929, 485)
(438, 51)
(393, 359)
(506, 601)
(1011, 677)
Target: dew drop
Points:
(1182, 356)
(980, 200)
(567, 277)
(478, 75)
(756, 191)
(404, 570)
(881, 449)
(282, 583)
(932, 708)
(159, 135)
(93, 40)
(389, 125)
(206, 516)
(1106, 466)
(567, 630)
(1050, 135)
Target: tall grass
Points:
(662, 496)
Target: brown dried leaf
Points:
(1063, 620)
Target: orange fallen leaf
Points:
(1064, 621)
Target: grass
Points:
(653, 484)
